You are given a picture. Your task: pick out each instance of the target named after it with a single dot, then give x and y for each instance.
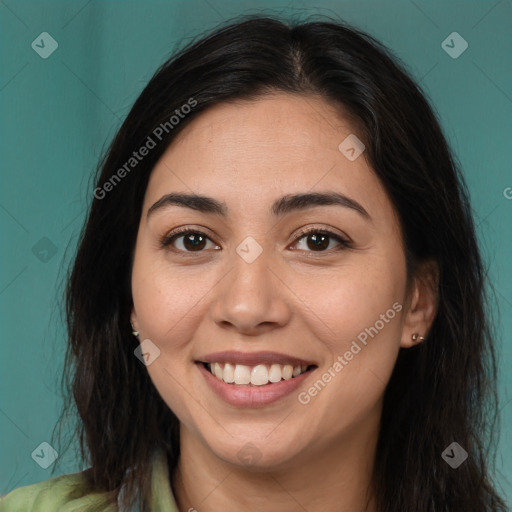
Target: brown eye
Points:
(318, 240)
(191, 241)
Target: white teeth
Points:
(275, 373)
(242, 374)
(217, 370)
(229, 373)
(258, 375)
(287, 371)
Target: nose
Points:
(252, 298)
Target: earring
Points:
(417, 338)
(134, 332)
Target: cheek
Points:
(167, 313)
(357, 316)
(167, 299)
(344, 303)
(359, 323)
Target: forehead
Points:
(248, 153)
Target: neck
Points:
(332, 477)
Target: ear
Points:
(423, 297)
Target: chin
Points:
(254, 455)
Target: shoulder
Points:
(66, 493)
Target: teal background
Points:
(59, 113)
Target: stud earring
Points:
(134, 332)
(417, 338)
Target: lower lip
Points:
(253, 396)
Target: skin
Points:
(294, 299)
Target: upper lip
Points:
(254, 358)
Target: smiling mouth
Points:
(258, 375)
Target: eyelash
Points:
(168, 239)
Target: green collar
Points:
(67, 492)
(161, 492)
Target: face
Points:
(261, 285)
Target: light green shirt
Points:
(65, 494)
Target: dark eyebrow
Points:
(284, 205)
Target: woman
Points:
(277, 301)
